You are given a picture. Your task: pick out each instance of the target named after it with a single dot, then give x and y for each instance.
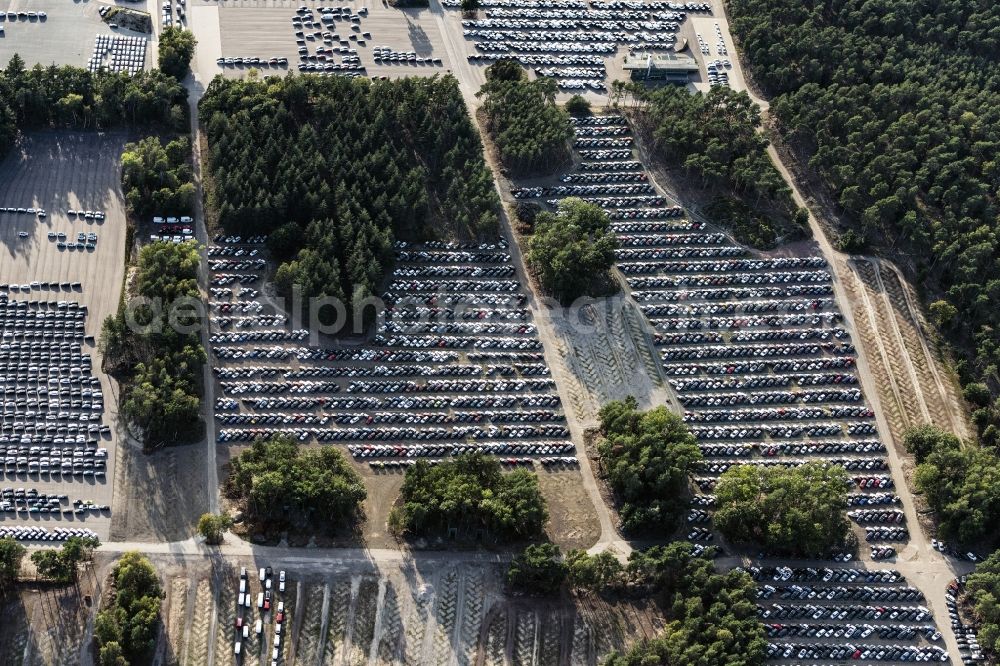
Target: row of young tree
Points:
(531, 133)
(156, 178)
(894, 104)
(711, 617)
(334, 169)
(70, 97)
(151, 347)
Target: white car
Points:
(22, 234)
(281, 581)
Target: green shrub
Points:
(537, 571)
(796, 511)
(647, 458)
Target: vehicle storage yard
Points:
(66, 36)
(580, 44)
(456, 366)
(753, 348)
(759, 356)
(59, 172)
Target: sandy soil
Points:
(57, 616)
(159, 496)
(401, 614)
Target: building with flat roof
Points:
(668, 67)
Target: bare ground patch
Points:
(159, 496)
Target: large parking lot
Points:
(580, 43)
(57, 172)
(456, 366)
(264, 29)
(761, 361)
(66, 36)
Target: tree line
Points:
(71, 97)
(894, 104)
(159, 364)
(333, 170)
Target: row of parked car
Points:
(731, 325)
(38, 533)
(51, 406)
(500, 398)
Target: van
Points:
(243, 584)
(260, 600)
(238, 647)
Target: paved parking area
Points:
(761, 360)
(58, 171)
(65, 37)
(262, 28)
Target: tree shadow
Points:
(419, 40)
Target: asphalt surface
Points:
(64, 37)
(58, 171)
